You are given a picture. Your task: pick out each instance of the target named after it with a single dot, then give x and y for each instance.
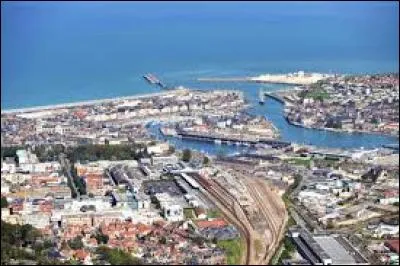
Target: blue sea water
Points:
(56, 52)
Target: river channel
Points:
(273, 111)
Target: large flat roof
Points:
(335, 250)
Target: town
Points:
(367, 103)
(89, 184)
(115, 121)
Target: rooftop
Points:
(335, 250)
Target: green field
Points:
(300, 161)
(234, 250)
(188, 212)
(318, 94)
(213, 213)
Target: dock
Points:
(230, 140)
(273, 96)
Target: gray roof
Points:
(335, 250)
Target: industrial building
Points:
(325, 249)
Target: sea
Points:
(58, 52)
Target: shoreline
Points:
(83, 103)
(353, 132)
(299, 78)
(282, 100)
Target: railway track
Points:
(271, 209)
(269, 212)
(262, 195)
(267, 216)
(281, 211)
(229, 206)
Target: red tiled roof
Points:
(199, 211)
(393, 245)
(213, 223)
(142, 228)
(391, 193)
(81, 254)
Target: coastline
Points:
(82, 103)
(299, 78)
(353, 132)
(282, 100)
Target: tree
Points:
(4, 203)
(330, 224)
(117, 256)
(187, 155)
(163, 240)
(206, 160)
(76, 243)
(101, 238)
(171, 149)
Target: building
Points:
(158, 148)
(325, 249)
(8, 165)
(143, 201)
(173, 213)
(393, 245)
(385, 230)
(163, 160)
(170, 207)
(38, 220)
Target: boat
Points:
(217, 141)
(166, 131)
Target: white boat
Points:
(217, 141)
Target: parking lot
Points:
(154, 187)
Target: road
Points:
(65, 165)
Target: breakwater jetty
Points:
(298, 78)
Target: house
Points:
(83, 256)
(215, 223)
(386, 229)
(393, 245)
(8, 165)
(200, 213)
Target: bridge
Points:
(263, 92)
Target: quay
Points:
(274, 96)
(232, 141)
(391, 146)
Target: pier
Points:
(262, 93)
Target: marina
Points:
(273, 110)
